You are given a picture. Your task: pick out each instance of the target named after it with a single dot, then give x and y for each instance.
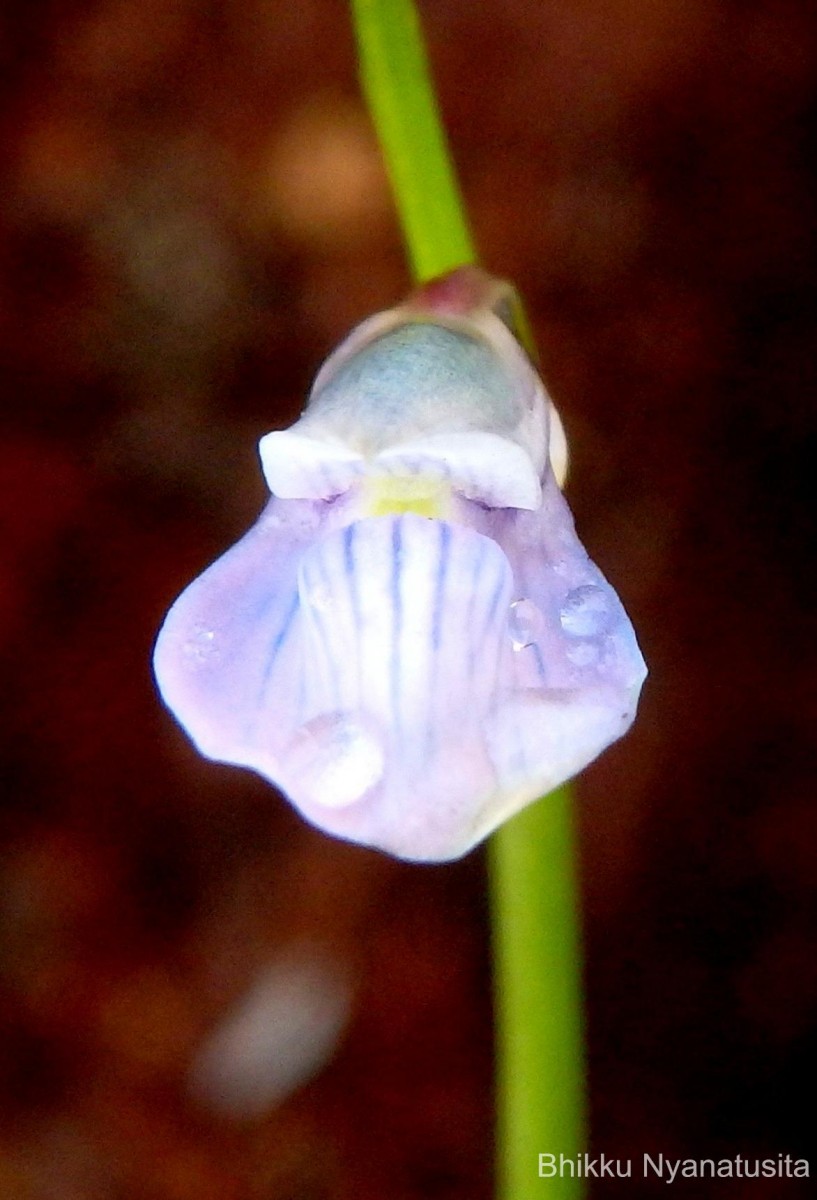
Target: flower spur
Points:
(410, 642)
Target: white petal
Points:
(299, 467)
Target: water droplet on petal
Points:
(525, 623)
(583, 654)
(585, 612)
(201, 644)
(334, 760)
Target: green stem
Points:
(401, 99)
(535, 921)
(540, 1099)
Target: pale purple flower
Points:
(411, 641)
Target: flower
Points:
(411, 641)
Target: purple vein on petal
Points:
(349, 555)
(443, 560)
(397, 627)
(278, 644)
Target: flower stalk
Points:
(402, 103)
(534, 896)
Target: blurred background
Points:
(200, 997)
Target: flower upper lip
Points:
(480, 465)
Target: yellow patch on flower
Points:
(425, 495)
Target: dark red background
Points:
(192, 213)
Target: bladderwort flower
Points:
(411, 642)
